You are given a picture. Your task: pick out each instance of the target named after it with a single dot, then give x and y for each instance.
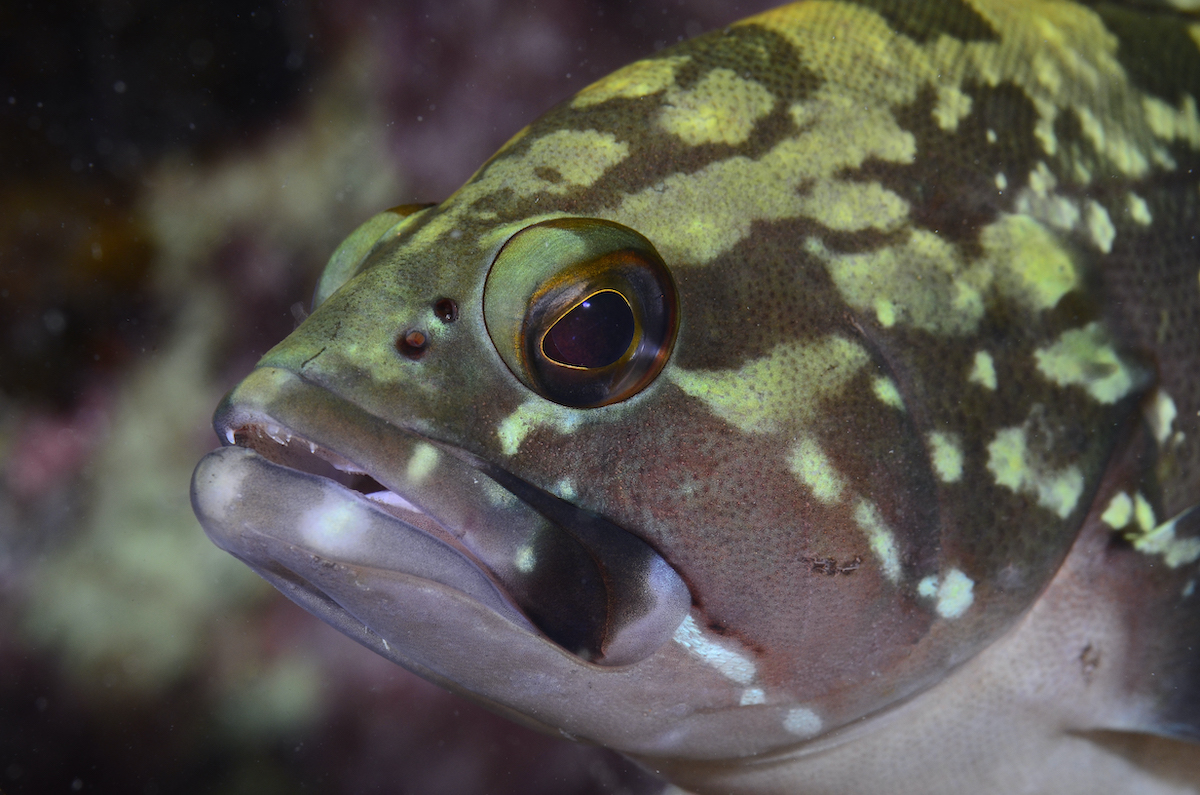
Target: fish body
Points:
(810, 407)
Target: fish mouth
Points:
(313, 492)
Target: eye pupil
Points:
(595, 333)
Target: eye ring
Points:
(583, 311)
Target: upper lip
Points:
(588, 585)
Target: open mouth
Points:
(281, 446)
(387, 503)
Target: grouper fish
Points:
(811, 407)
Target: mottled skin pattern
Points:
(939, 299)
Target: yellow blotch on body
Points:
(1100, 226)
(925, 282)
(1143, 513)
(808, 461)
(879, 537)
(638, 79)
(945, 452)
(983, 371)
(1119, 511)
(885, 312)
(531, 415)
(1030, 262)
(1059, 55)
(785, 386)
(1161, 414)
(721, 108)
(952, 106)
(577, 157)
(885, 389)
(918, 283)
(696, 217)
(1138, 210)
(1013, 466)
(1085, 358)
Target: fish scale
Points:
(893, 486)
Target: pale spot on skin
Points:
(1119, 511)
(1161, 416)
(1100, 226)
(638, 79)
(1001, 182)
(1139, 211)
(530, 415)
(885, 389)
(1188, 589)
(787, 386)
(808, 461)
(952, 106)
(955, 594)
(983, 371)
(422, 462)
(946, 455)
(991, 136)
(1011, 464)
(565, 488)
(885, 312)
(1041, 202)
(733, 665)
(721, 108)
(752, 696)
(928, 586)
(1053, 210)
(802, 722)
(525, 560)
(332, 526)
(1084, 357)
(879, 537)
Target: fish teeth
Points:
(278, 434)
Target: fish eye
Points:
(583, 311)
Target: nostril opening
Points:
(413, 343)
(446, 310)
